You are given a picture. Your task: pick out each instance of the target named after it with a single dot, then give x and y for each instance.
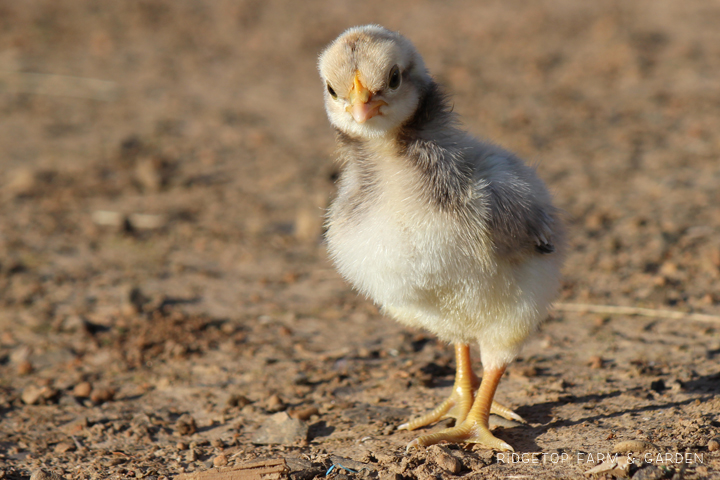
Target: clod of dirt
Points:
(649, 472)
(444, 459)
(65, 447)
(637, 446)
(109, 218)
(238, 401)
(147, 173)
(185, 425)
(619, 467)
(275, 404)
(595, 362)
(82, 390)
(146, 221)
(303, 413)
(102, 395)
(34, 395)
(714, 444)
(281, 429)
(41, 474)
(25, 368)
(220, 460)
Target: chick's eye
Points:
(331, 91)
(394, 78)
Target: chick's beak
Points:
(362, 107)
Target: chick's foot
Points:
(475, 427)
(470, 431)
(460, 402)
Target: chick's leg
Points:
(475, 428)
(460, 401)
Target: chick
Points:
(443, 231)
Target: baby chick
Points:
(443, 231)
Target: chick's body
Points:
(443, 231)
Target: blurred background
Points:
(164, 166)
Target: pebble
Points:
(280, 429)
(102, 395)
(146, 221)
(185, 425)
(649, 472)
(444, 459)
(148, 173)
(65, 447)
(42, 474)
(34, 395)
(274, 404)
(714, 444)
(191, 455)
(220, 460)
(82, 390)
(637, 446)
(181, 446)
(595, 362)
(22, 182)
(303, 413)
(109, 218)
(25, 368)
(238, 401)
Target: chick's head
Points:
(373, 79)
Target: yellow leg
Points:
(474, 429)
(460, 401)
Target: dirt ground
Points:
(166, 302)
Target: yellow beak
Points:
(362, 107)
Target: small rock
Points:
(181, 446)
(185, 425)
(714, 444)
(217, 443)
(238, 401)
(24, 368)
(191, 455)
(109, 218)
(42, 474)
(102, 395)
(22, 182)
(444, 459)
(527, 371)
(595, 362)
(220, 460)
(303, 413)
(558, 386)
(152, 173)
(649, 472)
(274, 404)
(65, 447)
(82, 390)
(34, 395)
(145, 221)
(280, 429)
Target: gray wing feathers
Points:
(522, 217)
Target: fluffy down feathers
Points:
(445, 232)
